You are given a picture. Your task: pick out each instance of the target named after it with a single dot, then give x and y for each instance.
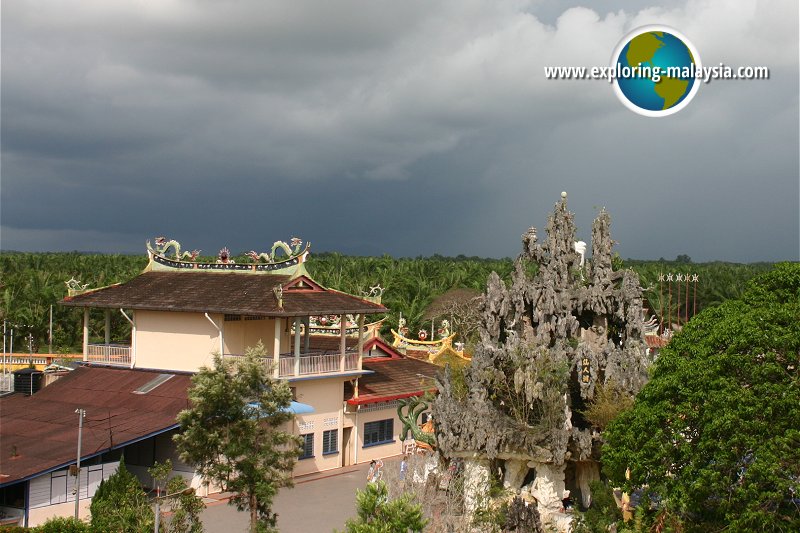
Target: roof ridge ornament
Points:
(166, 254)
(74, 286)
(163, 245)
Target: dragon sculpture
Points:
(277, 245)
(163, 245)
(414, 407)
(75, 287)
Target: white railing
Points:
(286, 367)
(109, 354)
(319, 364)
(351, 361)
(309, 363)
(25, 360)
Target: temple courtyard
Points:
(317, 502)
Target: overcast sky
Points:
(400, 127)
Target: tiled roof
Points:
(220, 292)
(43, 429)
(329, 343)
(393, 379)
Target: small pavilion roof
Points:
(393, 379)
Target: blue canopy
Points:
(295, 407)
(301, 408)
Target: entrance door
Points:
(346, 460)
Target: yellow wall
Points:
(175, 341)
(379, 451)
(39, 515)
(242, 334)
(325, 396)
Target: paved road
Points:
(319, 504)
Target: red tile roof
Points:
(221, 292)
(393, 379)
(43, 428)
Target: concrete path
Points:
(319, 502)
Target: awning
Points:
(294, 407)
(301, 408)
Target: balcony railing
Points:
(309, 364)
(109, 354)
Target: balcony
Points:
(309, 364)
(109, 354)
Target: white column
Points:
(133, 340)
(360, 340)
(276, 346)
(342, 341)
(85, 333)
(108, 326)
(297, 323)
(307, 336)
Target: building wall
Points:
(52, 494)
(242, 334)
(40, 515)
(175, 341)
(144, 454)
(325, 396)
(372, 413)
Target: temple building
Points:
(346, 381)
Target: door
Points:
(346, 446)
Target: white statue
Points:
(580, 247)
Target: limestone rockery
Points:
(563, 326)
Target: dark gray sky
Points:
(368, 127)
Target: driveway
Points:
(317, 503)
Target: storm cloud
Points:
(370, 127)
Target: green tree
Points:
(234, 433)
(378, 514)
(160, 473)
(63, 525)
(186, 508)
(715, 433)
(120, 505)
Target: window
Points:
(308, 446)
(379, 432)
(330, 441)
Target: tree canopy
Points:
(714, 435)
(235, 433)
(120, 504)
(378, 514)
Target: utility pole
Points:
(30, 354)
(81, 415)
(4, 347)
(50, 335)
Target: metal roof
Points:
(39, 433)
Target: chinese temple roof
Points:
(230, 293)
(273, 283)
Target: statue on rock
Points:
(562, 329)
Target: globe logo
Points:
(655, 68)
